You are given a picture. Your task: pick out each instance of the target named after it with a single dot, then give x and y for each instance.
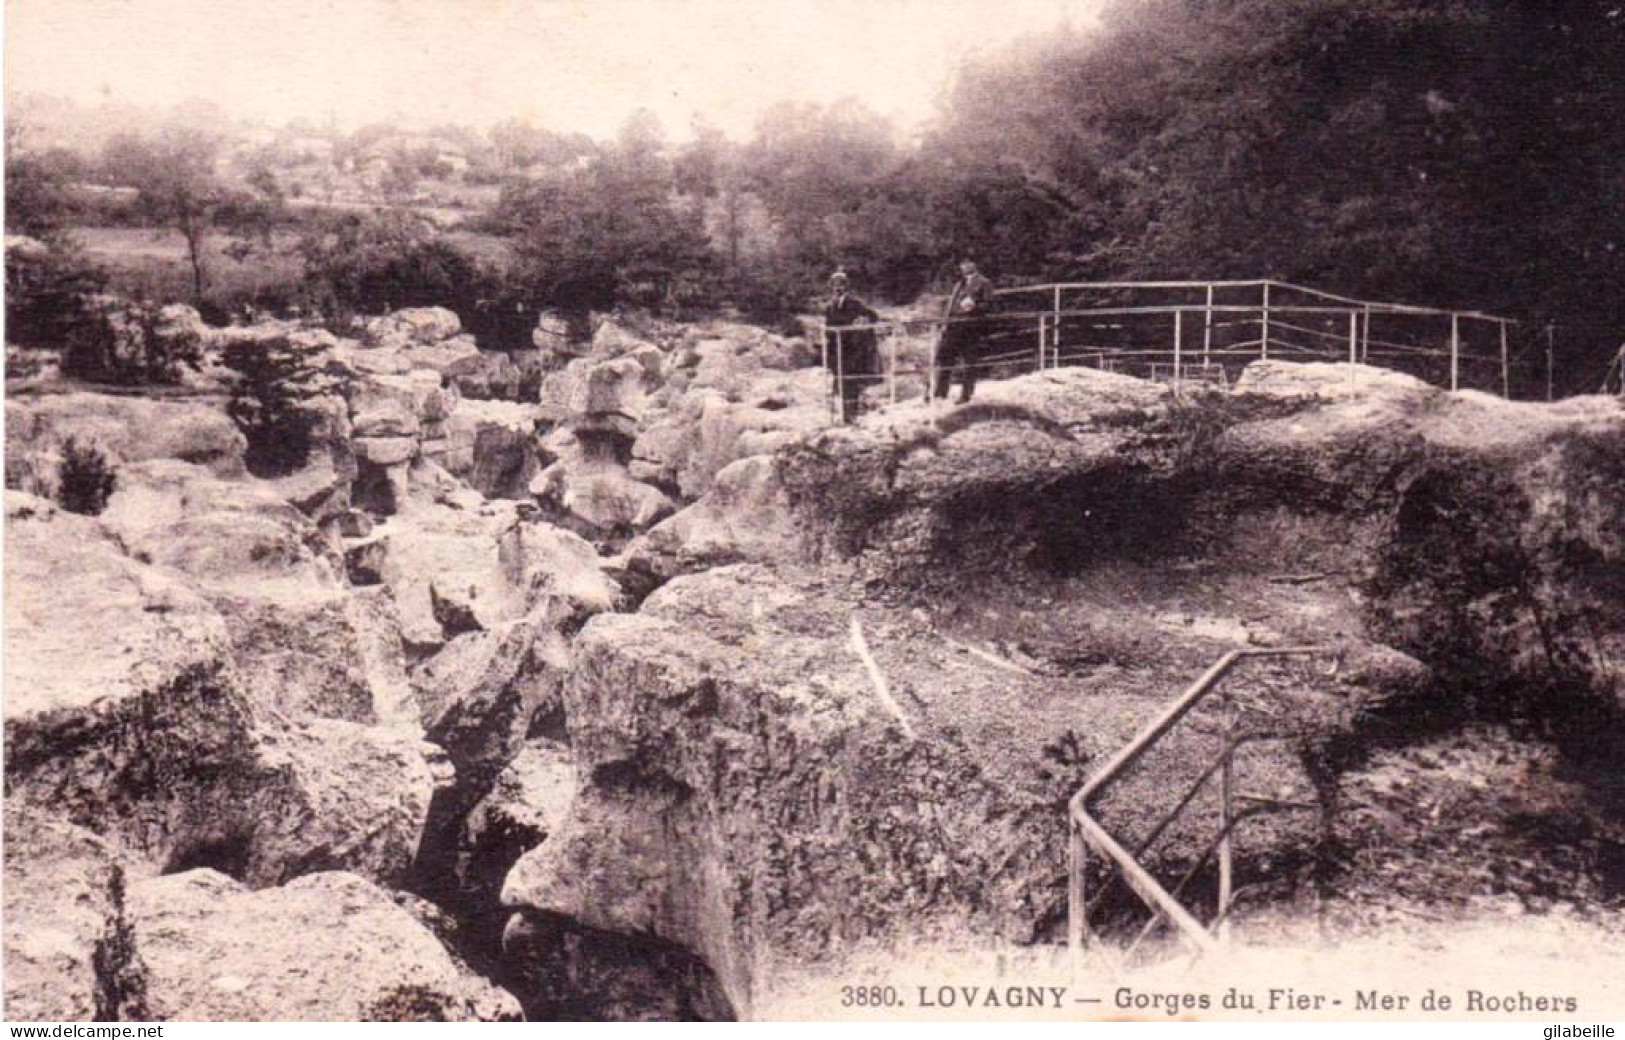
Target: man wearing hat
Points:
(852, 355)
(972, 299)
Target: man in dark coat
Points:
(852, 355)
(959, 346)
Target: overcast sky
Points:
(566, 64)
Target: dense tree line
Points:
(1462, 153)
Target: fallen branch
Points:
(1304, 579)
(861, 648)
(992, 659)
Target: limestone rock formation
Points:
(68, 953)
(749, 797)
(745, 516)
(452, 570)
(124, 429)
(324, 947)
(152, 742)
(492, 446)
(527, 804)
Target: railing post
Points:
(840, 379)
(1506, 377)
(1455, 352)
(1354, 344)
(1077, 863)
(931, 369)
(823, 352)
(1179, 331)
(1264, 335)
(1055, 332)
(891, 364)
(1207, 329)
(1040, 343)
(1551, 337)
(1226, 819)
(1365, 336)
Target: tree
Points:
(37, 186)
(46, 284)
(1453, 152)
(611, 232)
(270, 402)
(174, 175)
(841, 191)
(373, 264)
(85, 478)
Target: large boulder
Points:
(491, 445)
(597, 393)
(67, 949)
(296, 634)
(124, 429)
(612, 340)
(685, 446)
(404, 405)
(744, 516)
(481, 696)
(328, 947)
(528, 802)
(453, 570)
(151, 740)
(235, 537)
(414, 325)
(748, 798)
(601, 499)
(552, 333)
(499, 376)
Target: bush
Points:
(277, 378)
(85, 479)
(47, 290)
(407, 1003)
(377, 264)
(110, 340)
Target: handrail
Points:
(1377, 305)
(1051, 320)
(1085, 827)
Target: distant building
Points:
(309, 149)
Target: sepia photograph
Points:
(902, 511)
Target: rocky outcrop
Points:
(417, 338)
(745, 516)
(730, 738)
(68, 950)
(124, 429)
(482, 695)
(152, 742)
(750, 797)
(491, 445)
(453, 570)
(732, 404)
(496, 376)
(598, 405)
(326, 947)
(296, 634)
(527, 804)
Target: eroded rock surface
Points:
(152, 740)
(327, 947)
(68, 950)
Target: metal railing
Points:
(1213, 328)
(1087, 832)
